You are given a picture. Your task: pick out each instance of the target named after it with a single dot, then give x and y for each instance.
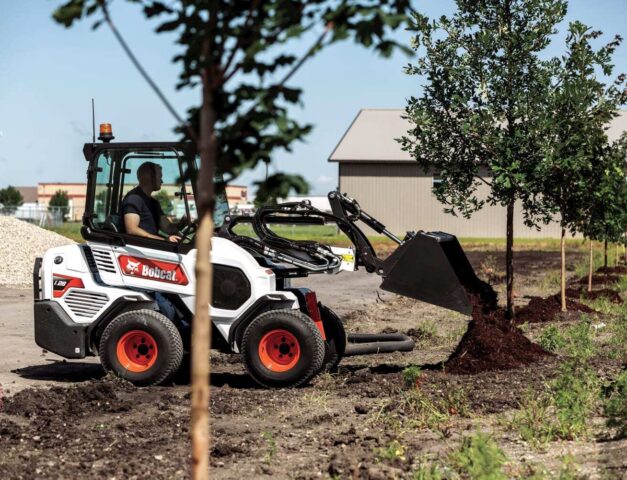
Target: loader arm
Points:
(427, 266)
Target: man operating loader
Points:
(142, 214)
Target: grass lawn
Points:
(329, 234)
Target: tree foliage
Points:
(479, 119)
(11, 198)
(247, 50)
(580, 170)
(276, 187)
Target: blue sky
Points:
(48, 74)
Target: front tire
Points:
(282, 348)
(142, 346)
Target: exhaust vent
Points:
(104, 260)
(84, 303)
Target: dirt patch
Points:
(604, 293)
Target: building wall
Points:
(399, 195)
(76, 194)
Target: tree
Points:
(276, 187)
(479, 118)
(60, 201)
(575, 143)
(240, 55)
(11, 198)
(606, 217)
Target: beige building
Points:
(390, 185)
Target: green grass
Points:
(616, 405)
(551, 339)
(71, 230)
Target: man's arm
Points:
(131, 225)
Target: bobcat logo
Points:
(132, 267)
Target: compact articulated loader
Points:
(130, 299)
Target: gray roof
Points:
(371, 137)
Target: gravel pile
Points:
(20, 243)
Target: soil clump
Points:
(619, 269)
(540, 310)
(491, 342)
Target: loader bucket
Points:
(433, 268)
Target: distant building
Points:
(390, 185)
(29, 194)
(237, 195)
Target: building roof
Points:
(29, 194)
(371, 137)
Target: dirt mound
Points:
(606, 293)
(79, 400)
(540, 309)
(619, 269)
(597, 279)
(491, 341)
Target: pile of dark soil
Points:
(540, 310)
(619, 269)
(491, 342)
(606, 293)
(599, 278)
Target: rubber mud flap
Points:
(433, 268)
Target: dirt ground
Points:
(65, 419)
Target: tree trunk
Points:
(201, 328)
(605, 253)
(590, 268)
(563, 272)
(509, 260)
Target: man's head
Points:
(150, 175)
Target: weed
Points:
(456, 402)
(618, 341)
(551, 280)
(479, 458)
(532, 419)
(270, 446)
(411, 376)
(563, 410)
(426, 333)
(551, 339)
(393, 452)
(616, 406)
(429, 472)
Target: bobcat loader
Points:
(130, 300)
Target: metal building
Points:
(392, 187)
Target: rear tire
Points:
(142, 346)
(336, 338)
(282, 348)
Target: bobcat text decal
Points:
(152, 270)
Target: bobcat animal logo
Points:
(132, 267)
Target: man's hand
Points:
(174, 238)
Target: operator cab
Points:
(112, 174)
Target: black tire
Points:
(310, 347)
(336, 338)
(158, 329)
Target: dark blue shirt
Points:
(148, 209)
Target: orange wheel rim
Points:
(279, 350)
(137, 351)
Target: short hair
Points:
(147, 168)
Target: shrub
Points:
(411, 375)
(551, 339)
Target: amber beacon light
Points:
(106, 132)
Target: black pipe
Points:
(373, 343)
